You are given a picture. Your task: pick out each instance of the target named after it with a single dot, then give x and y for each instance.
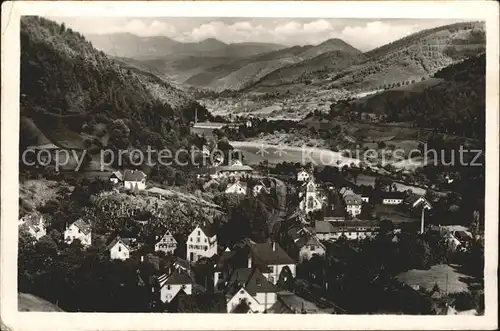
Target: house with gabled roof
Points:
(134, 180)
(222, 267)
(201, 242)
(116, 177)
(237, 188)
(34, 224)
(120, 248)
(414, 201)
(393, 198)
(259, 188)
(167, 243)
(250, 286)
(303, 176)
(172, 283)
(353, 204)
(271, 259)
(78, 230)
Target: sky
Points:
(364, 34)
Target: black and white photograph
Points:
(328, 164)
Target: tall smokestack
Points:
(196, 116)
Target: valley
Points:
(310, 154)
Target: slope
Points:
(452, 102)
(75, 95)
(413, 57)
(239, 74)
(410, 58)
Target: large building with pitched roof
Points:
(170, 284)
(80, 230)
(271, 259)
(134, 180)
(120, 248)
(202, 242)
(250, 288)
(166, 244)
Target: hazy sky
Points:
(363, 34)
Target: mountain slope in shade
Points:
(78, 97)
(452, 101)
(132, 46)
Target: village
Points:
(268, 276)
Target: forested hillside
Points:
(413, 57)
(454, 103)
(76, 96)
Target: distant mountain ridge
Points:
(132, 46)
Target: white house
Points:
(167, 243)
(393, 198)
(202, 242)
(259, 188)
(353, 204)
(231, 171)
(80, 230)
(236, 188)
(134, 180)
(236, 163)
(250, 286)
(34, 225)
(173, 283)
(310, 200)
(414, 201)
(116, 177)
(119, 248)
(309, 246)
(303, 176)
(271, 259)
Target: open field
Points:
(447, 277)
(369, 180)
(255, 153)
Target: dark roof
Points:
(462, 235)
(252, 280)
(175, 278)
(117, 174)
(393, 195)
(208, 229)
(352, 199)
(32, 220)
(270, 254)
(128, 242)
(83, 226)
(224, 259)
(323, 227)
(334, 212)
(234, 168)
(308, 240)
(113, 243)
(298, 304)
(133, 175)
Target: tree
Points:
(249, 219)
